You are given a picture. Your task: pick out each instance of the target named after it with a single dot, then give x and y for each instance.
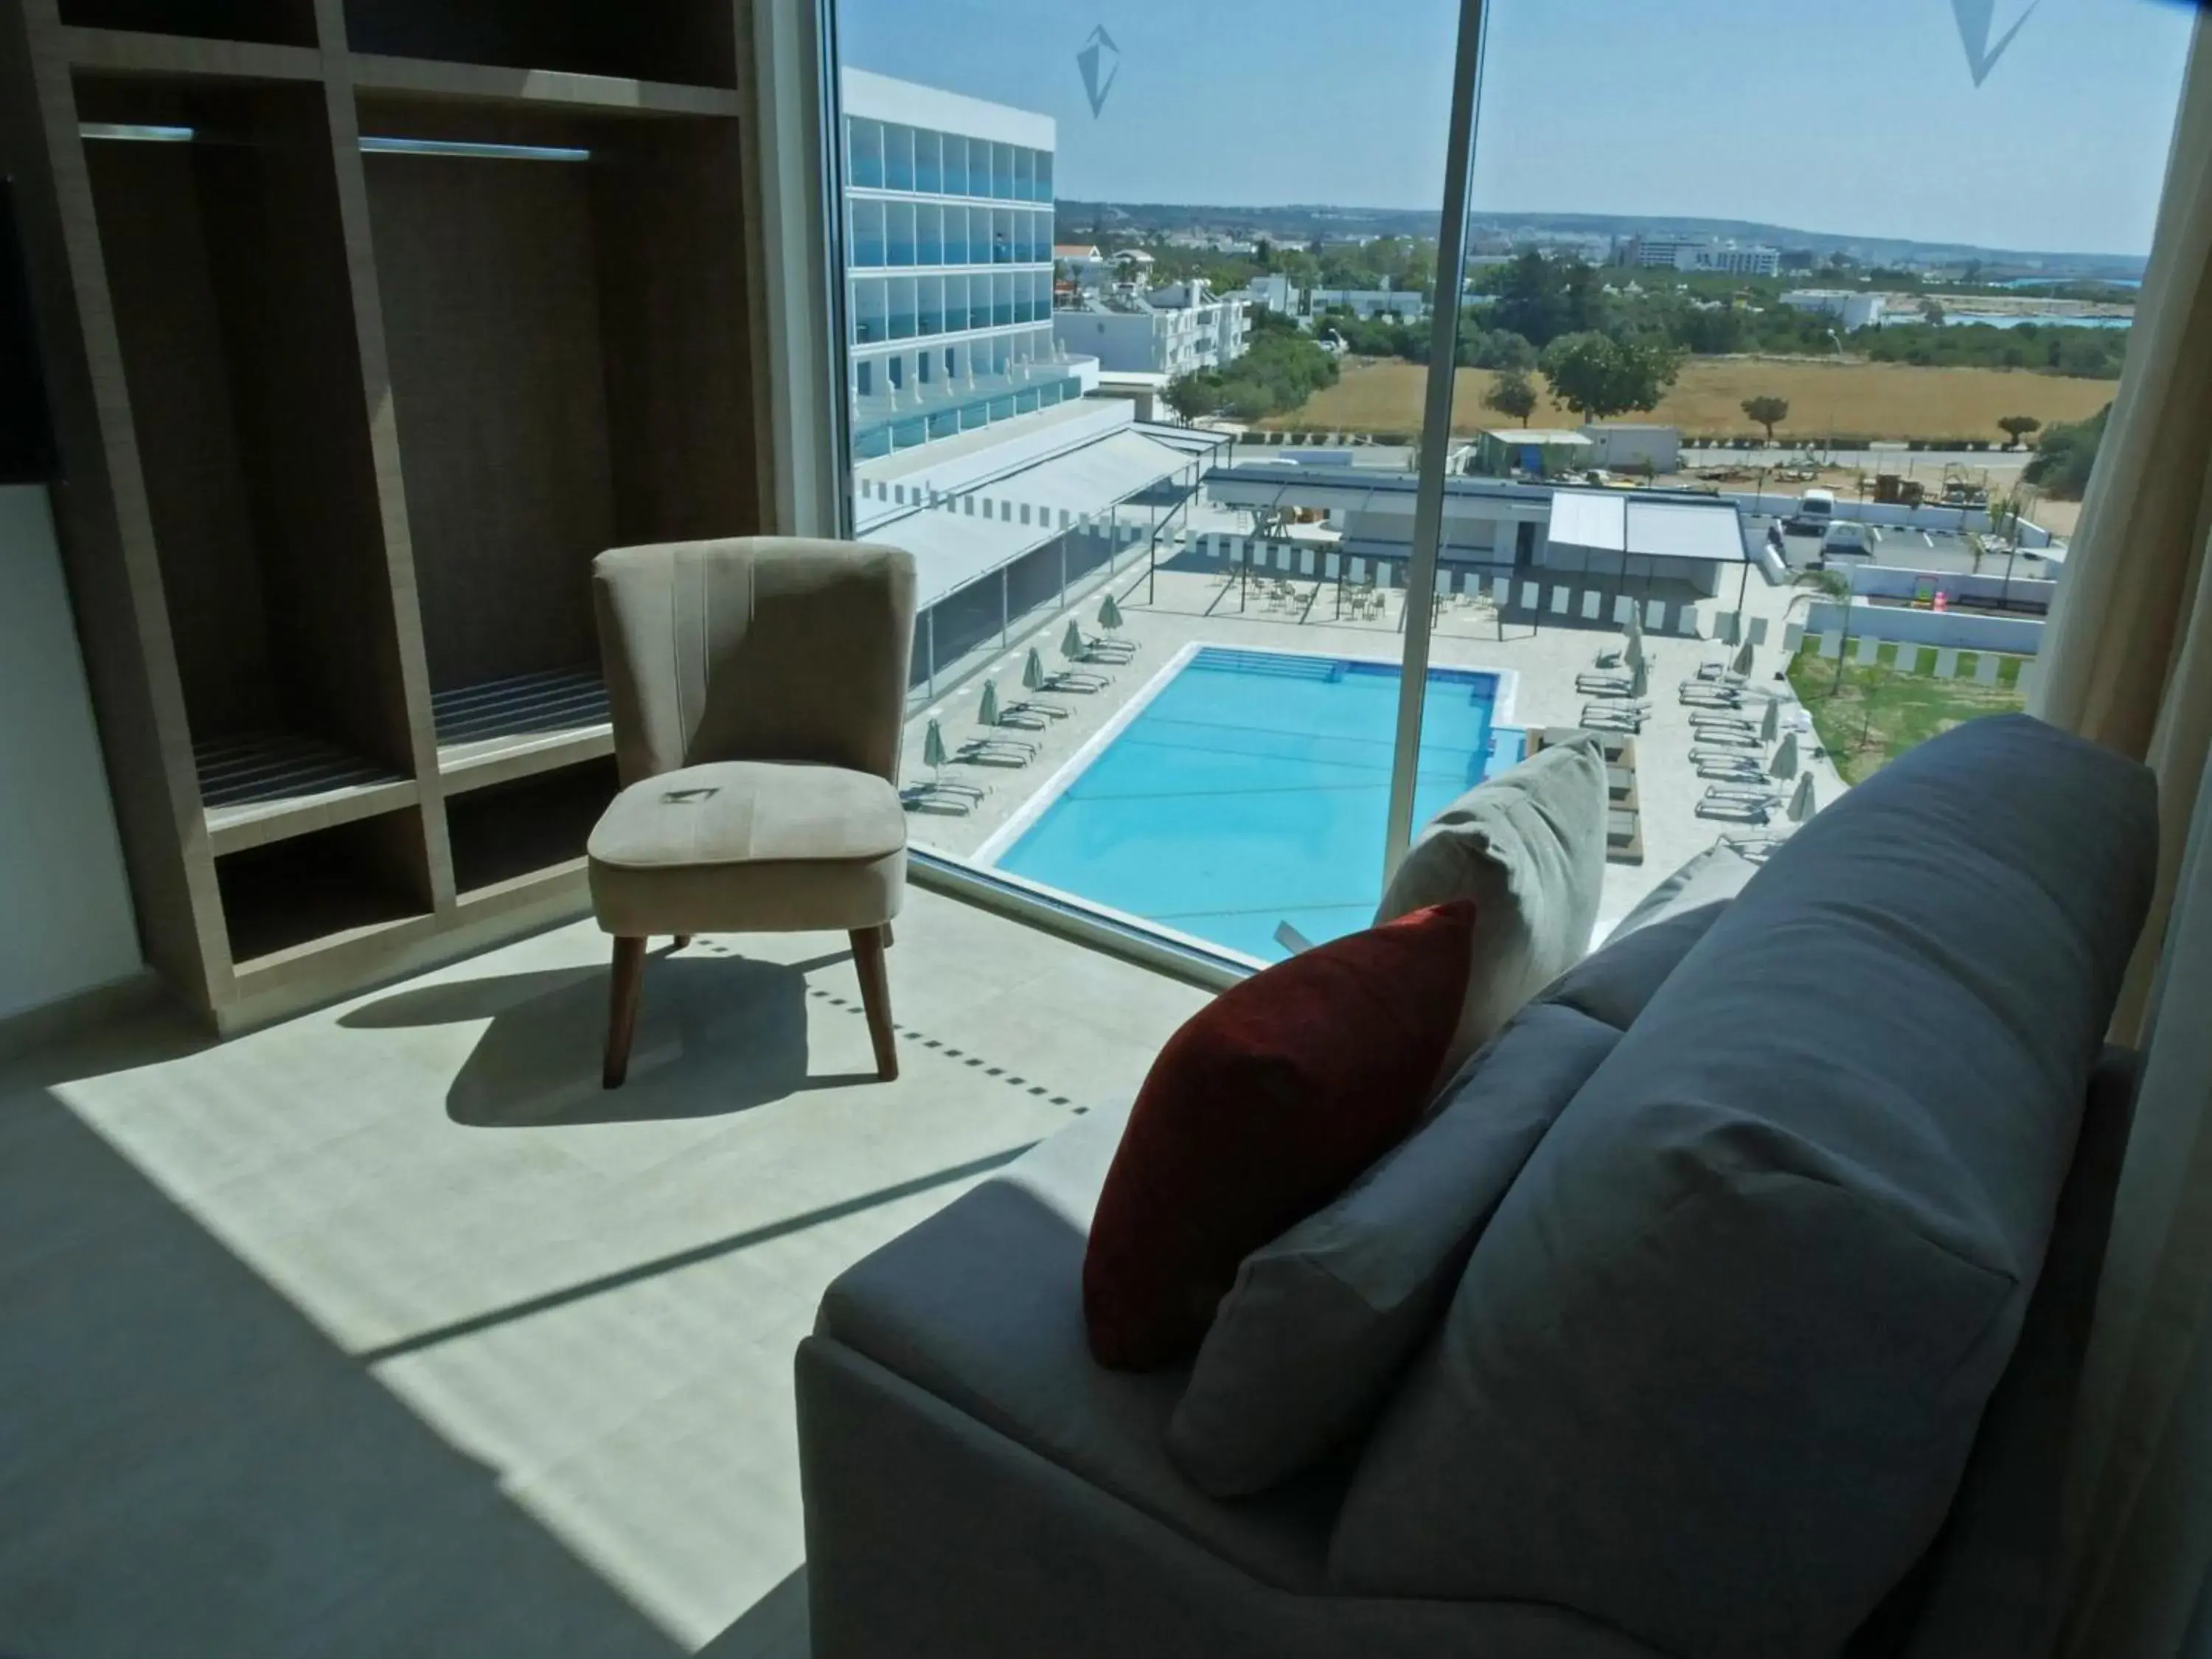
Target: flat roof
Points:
(952, 547)
(1542, 435)
(1630, 522)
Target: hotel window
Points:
(931, 320)
(979, 167)
(928, 162)
(1024, 175)
(902, 307)
(956, 164)
(865, 156)
(898, 158)
(929, 234)
(899, 232)
(867, 233)
(871, 315)
(1002, 173)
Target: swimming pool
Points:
(1250, 788)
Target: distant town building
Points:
(949, 219)
(1175, 329)
(1695, 254)
(1852, 310)
(1272, 289)
(1369, 302)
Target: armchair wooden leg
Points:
(888, 940)
(622, 1009)
(876, 998)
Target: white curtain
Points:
(2129, 658)
(2130, 664)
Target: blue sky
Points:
(1856, 117)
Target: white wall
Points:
(66, 923)
(1890, 582)
(1964, 630)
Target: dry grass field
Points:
(1879, 400)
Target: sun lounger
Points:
(1733, 812)
(1759, 793)
(955, 800)
(1028, 712)
(1609, 717)
(1069, 679)
(1744, 768)
(1696, 694)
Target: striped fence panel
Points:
(1831, 645)
(1985, 668)
(1868, 650)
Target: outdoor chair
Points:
(757, 688)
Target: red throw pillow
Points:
(1264, 1107)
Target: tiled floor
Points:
(385, 1331)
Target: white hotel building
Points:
(948, 229)
(974, 447)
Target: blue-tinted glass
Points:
(898, 157)
(865, 153)
(898, 232)
(869, 323)
(956, 236)
(1002, 173)
(902, 299)
(1002, 236)
(867, 234)
(1024, 174)
(1044, 175)
(1002, 300)
(928, 165)
(929, 234)
(979, 167)
(932, 305)
(956, 164)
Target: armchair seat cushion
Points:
(750, 847)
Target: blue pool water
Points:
(1253, 791)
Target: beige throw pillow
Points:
(1528, 848)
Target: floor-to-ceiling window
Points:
(1761, 441)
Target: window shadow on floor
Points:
(716, 1034)
(190, 1467)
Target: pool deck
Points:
(1191, 607)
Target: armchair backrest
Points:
(755, 649)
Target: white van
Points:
(1814, 514)
(1845, 540)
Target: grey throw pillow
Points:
(1307, 1344)
(1528, 848)
(1718, 872)
(1717, 1362)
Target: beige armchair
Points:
(759, 687)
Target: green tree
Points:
(2066, 455)
(1541, 299)
(1193, 394)
(1931, 313)
(1770, 412)
(2017, 426)
(1500, 348)
(1511, 394)
(1596, 375)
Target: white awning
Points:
(1595, 519)
(952, 545)
(1615, 521)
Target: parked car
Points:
(1846, 540)
(1815, 512)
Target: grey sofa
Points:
(1628, 1435)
